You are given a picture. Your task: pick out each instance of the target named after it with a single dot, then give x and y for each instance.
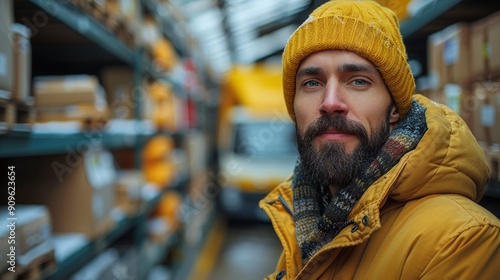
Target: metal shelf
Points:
(85, 25)
(131, 134)
(35, 144)
(91, 249)
(429, 13)
(436, 16)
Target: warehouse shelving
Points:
(86, 45)
(435, 16)
(433, 11)
(91, 248)
(20, 143)
(76, 19)
(33, 144)
(111, 50)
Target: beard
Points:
(330, 164)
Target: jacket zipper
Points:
(285, 204)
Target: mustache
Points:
(336, 122)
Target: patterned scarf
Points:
(319, 220)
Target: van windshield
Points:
(265, 139)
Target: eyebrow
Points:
(357, 67)
(344, 68)
(309, 71)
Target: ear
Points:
(394, 116)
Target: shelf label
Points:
(487, 115)
(451, 51)
(3, 64)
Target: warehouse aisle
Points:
(249, 252)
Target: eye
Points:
(311, 83)
(359, 82)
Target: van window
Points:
(265, 139)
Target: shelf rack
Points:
(35, 144)
(39, 142)
(79, 21)
(429, 13)
(437, 15)
(15, 144)
(91, 249)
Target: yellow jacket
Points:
(418, 221)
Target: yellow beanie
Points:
(363, 27)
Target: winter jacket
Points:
(420, 220)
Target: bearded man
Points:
(388, 182)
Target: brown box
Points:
(128, 195)
(53, 91)
(6, 19)
(485, 108)
(33, 227)
(448, 56)
(21, 70)
(118, 82)
(479, 49)
(494, 35)
(4, 242)
(485, 47)
(26, 232)
(77, 189)
(7, 115)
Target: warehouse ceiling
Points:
(227, 32)
(230, 32)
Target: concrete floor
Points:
(250, 252)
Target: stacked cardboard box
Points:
(16, 104)
(7, 113)
(449, 60)
(118, 82)
(485, 72)
(77, 189)
(27, 242)
(21, 69)
(119, 16)
(6, 20)
(464, 70)
(71, 98)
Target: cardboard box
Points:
(76, 187)
(33, 227)
(128, 195)
(118, 83)
(485, 47)
(485, 107)
(7, 115)
(54, 91)
(6, 19)
(85, 113)
(21, 70)
(71, 98)
(4, 245)
(449, 56)
(25, 236)
(494, 35)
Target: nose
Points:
(333, 100)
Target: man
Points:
(387, 183)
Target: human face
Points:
(335, 82)
(336, 139)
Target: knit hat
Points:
(364, 27)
